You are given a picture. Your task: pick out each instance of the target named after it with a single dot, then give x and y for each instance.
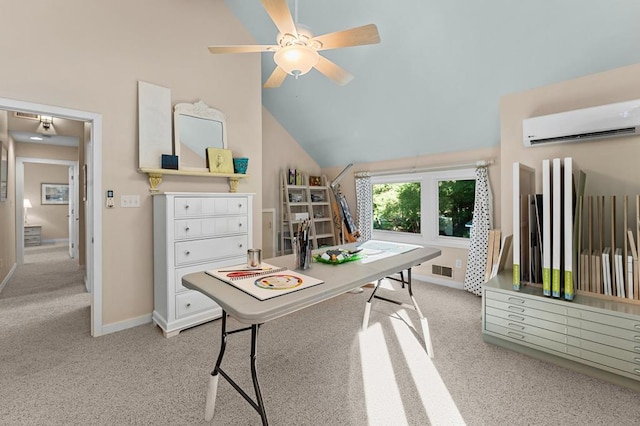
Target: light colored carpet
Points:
(315, 366)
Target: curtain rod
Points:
(480, 163)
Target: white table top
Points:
(338, 279)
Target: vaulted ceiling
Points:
(434, 82)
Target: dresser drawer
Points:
(193, 251)
(192, 302)
(181, 272)
(193, 207)
(193, 228)
(31, 230)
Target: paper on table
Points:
(376, 250)
(267, 283)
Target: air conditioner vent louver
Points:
(591, 135)
(600, 122)
(444, 271)
(27, 115)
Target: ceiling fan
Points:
(297, 49)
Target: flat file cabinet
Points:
(600, 333)
(194, 232)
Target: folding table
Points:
(338, 279)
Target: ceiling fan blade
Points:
(243, 49)
(333, 71)
(280, 14)
(275, 79)
(366, 34)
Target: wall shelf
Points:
(155, 176)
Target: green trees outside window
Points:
(396, 207)
(455, 207)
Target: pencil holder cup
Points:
(302, 253)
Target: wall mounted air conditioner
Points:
(605, 121)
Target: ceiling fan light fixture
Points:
(296, 59)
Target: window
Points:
(424, 208)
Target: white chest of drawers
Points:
(602, 334)
(194, 232)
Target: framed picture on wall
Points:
(54, 193)
(4, 173)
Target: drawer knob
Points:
(187, 252)
(240, 245)
(240, 205)
(186, 229)
(239, 225)
(188, 304)
(186, 206)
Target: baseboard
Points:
(123, 325)
(8, 277)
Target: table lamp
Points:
(27, 205)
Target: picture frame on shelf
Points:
(315, 181)
(219, 160)
(54, 193)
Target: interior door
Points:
(72, 213)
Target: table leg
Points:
(367, 307)
(423, 319)
(212, 390)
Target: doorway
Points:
(92, 194)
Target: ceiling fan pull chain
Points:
(295, 9)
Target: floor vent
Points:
(28, 115)
(444, 271)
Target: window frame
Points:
(429, 209)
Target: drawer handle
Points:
(636, 338)
(637, 326)
(636, 348)
(636, 359)
(518, 326)
(516, 308)
(515, 299)
(636, 370)
(516, 317)
(187, 252)
(512, 334)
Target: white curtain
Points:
(479, 239)
(364, 205)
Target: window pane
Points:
(396, 207)
(455, 207)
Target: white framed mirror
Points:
(197, 127)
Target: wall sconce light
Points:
(46, 121)
(26, 205)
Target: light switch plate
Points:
(130, 201)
